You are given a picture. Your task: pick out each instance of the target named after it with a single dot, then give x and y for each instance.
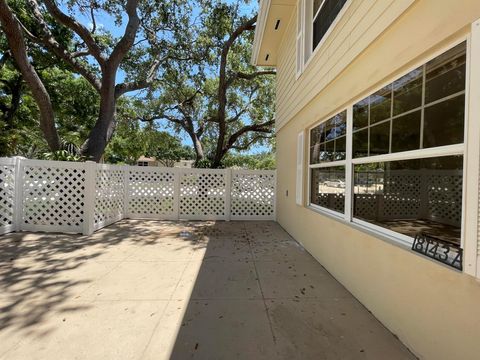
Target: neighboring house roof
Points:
(273, 18)
(144, 158)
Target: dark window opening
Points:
(323, 18)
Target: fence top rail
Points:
(253, 172)
(52, 163)
(7, 161)
(162, 169)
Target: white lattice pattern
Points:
(366, 206)
(402, 196)
(109, 195)
(445, 197)
(202, 194)
(151, 193)
(7, 196)
(53, 196)
(253, 195)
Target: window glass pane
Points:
(322, 139)
(444, 123)
(410, 196)
(316, 152)
(340, 148)
(317, 136)
(325, 18)
(340, 121)
(316, 6)
(380, 139)
(330, 133)
(380, 104)
(360, 143)
(407, 92)
(329, 151)
(360, 114)
(406, 132)
(328, 188)
(445, 75)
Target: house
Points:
(378, 153)
(147, 161)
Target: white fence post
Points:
(176, 192)
(89, 196)
(18, 202)
(126, 184)
(228, 194)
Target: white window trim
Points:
(472, 155)
(469, 149)
(300, 38)
(305, 11)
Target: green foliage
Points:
(62, 155)
(261, 161)
(133, 139)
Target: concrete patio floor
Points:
(180, 290)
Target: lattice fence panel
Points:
(202, 194)
(7, 195)
(109, 195)
(53, 196)
(402, 195)
(366, 206)
(445, 197)
(151, 193)
(253, 195)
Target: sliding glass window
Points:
(406, 163)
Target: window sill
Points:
(371, 230)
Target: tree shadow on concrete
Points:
(41, 273)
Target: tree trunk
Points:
(16, 42)
(94, 147)
(197, 146)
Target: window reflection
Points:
(444, 123)
(327, 188)
(406, 132)
(410, 196)
(327, 140)
(360, 114)
(380, 139)
(435, 91)
(380, 104)
(407, 92)
(445, 75)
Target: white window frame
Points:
(329, 165)
(470, 182)
(304, 39)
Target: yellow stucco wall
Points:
(434, 310)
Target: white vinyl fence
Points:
(38, 195)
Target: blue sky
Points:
(106, 21)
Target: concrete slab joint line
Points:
(143, 289)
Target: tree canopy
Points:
(104, 78)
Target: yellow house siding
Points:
(433, 309)
(362, 22)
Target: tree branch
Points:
(48, 40)
(249, 76)
(78, 28)
(13, 33)
(128, 38)
(265, 127)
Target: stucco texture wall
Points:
(434, 310)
